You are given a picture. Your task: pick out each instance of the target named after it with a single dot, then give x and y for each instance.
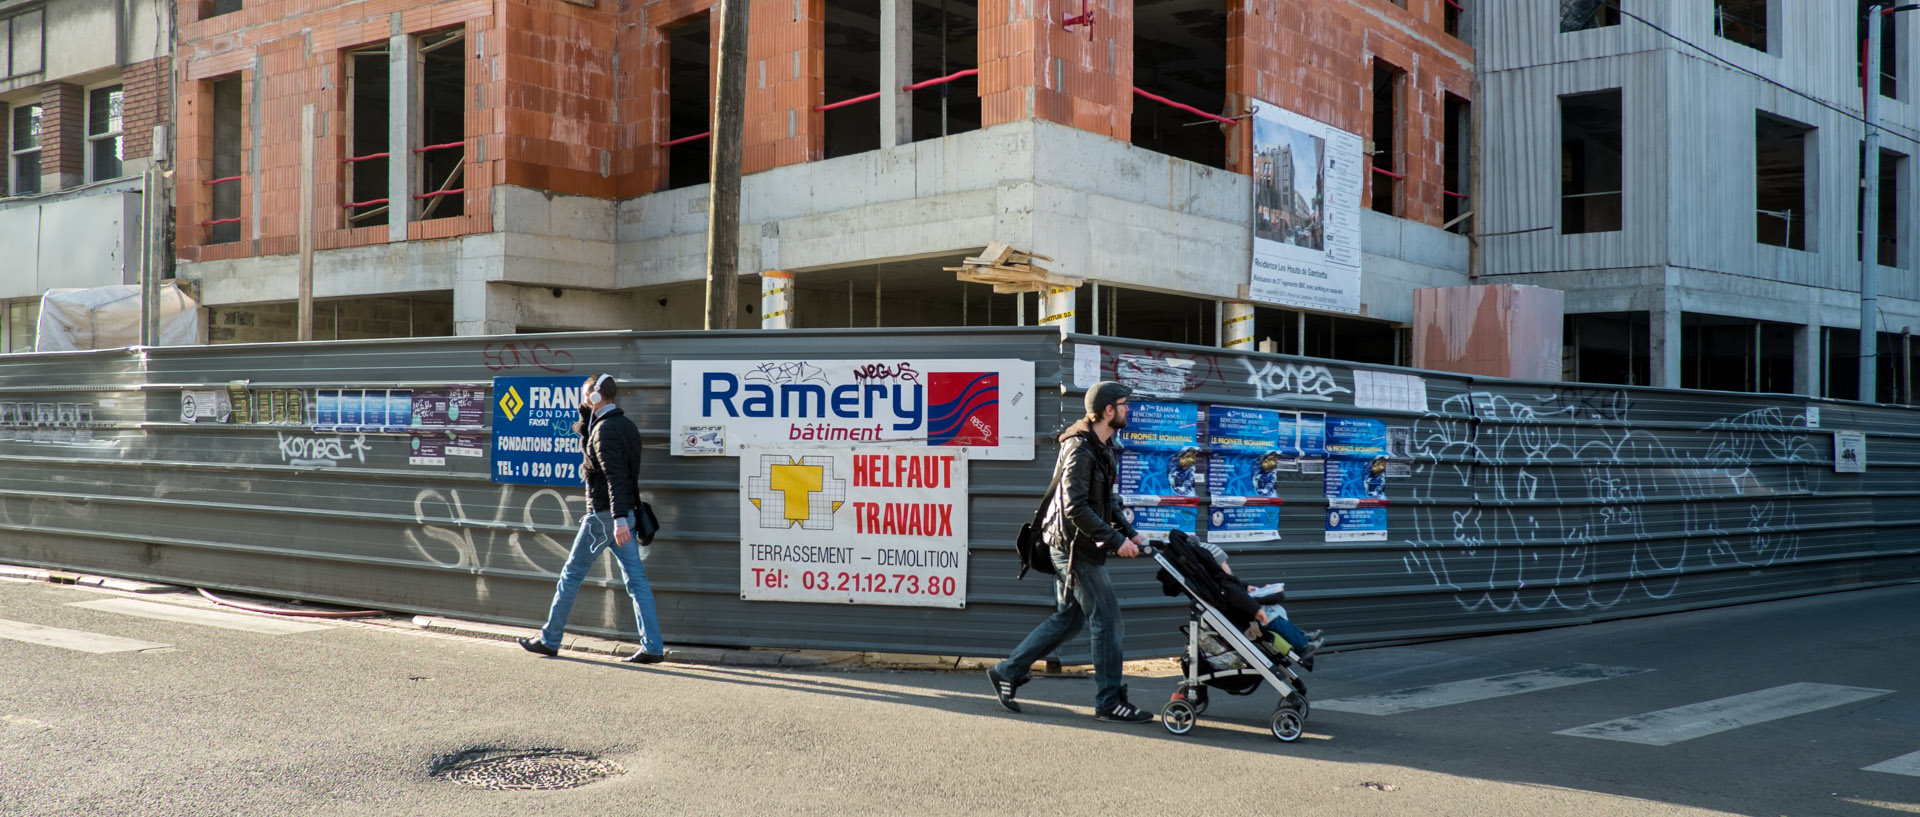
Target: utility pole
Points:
(723, 202)
(1870, 214)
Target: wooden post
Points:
(723, 202)
(306, 222)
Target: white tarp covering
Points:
(109, 317)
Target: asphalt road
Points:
(1778, 708)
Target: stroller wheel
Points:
(1288, 724)
(1179, 717)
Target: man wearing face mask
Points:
(610, 465)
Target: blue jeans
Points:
(1092, 603)
(596, 532)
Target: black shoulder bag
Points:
(1031, 546)
(645, 525)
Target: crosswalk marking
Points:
(1907, 764)
(1477, 689)
(71, 639)
(195, 615)
(1682, 723)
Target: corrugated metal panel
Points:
(1529, 504)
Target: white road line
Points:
(1477, 689)
(1669, 726)
(71, 639)
(195, 615)
(1907, 764)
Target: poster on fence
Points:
(1356, 479)
(1244, 466)
(1160, 453)
(867, 525)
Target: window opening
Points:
(1591, 190)
(25, 147)
(1892, 172)
(368, 136)
(1180, 55)
(1732, 354)
(443, 125)
(852, 32)
(1450, 13)
(23, 318)
(215, 8)
(1456, 153)
(1742, 21)
(1781, 208)
(1581, 15)
(22, 42)
(689, 102)
(224, 227)
(1889, 53)
(1386, 127)
(1611, 347)
(945, 37)
(105, 145)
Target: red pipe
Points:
(949, 78)
(1188, 108)
(460, 144)
(233, 220)
(352, 159)
(367, 203)
(1453, 194)
(845, 102)
(227, 179)
(1385, 172)
(440, 193)
(255, 608)
(685, 139)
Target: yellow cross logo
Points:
(511, 402)
(793, 484)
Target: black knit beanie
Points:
(1103, 394)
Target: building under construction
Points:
(470, 167)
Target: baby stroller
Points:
(1219, 653)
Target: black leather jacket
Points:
(1085, 502)
(610, 462)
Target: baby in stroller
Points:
(1257, 608)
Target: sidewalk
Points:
(594, 646)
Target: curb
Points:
(34, 574)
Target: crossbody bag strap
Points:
(1059, 471)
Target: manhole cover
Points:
(525, 769)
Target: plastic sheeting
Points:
(109, 318)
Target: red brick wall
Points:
(558, 94)
(1316, 59)
(62, 139)
(1024, 50)
(145, 104)
(296, 48)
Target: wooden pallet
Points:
(1010, 270)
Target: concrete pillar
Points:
(481, 307)
(1664, 341)
(1808, 356)
(403, 129)
(1236, 326)
(1057, 309)
(776, 299)
(896, 70)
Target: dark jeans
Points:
(1092, 604)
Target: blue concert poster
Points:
(1244, 453)
(1161, 450)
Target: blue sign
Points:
(1356, 524)
(363, 410)
(533, 439)
(1258, 523)
(1244, 457)
(1161, 454)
